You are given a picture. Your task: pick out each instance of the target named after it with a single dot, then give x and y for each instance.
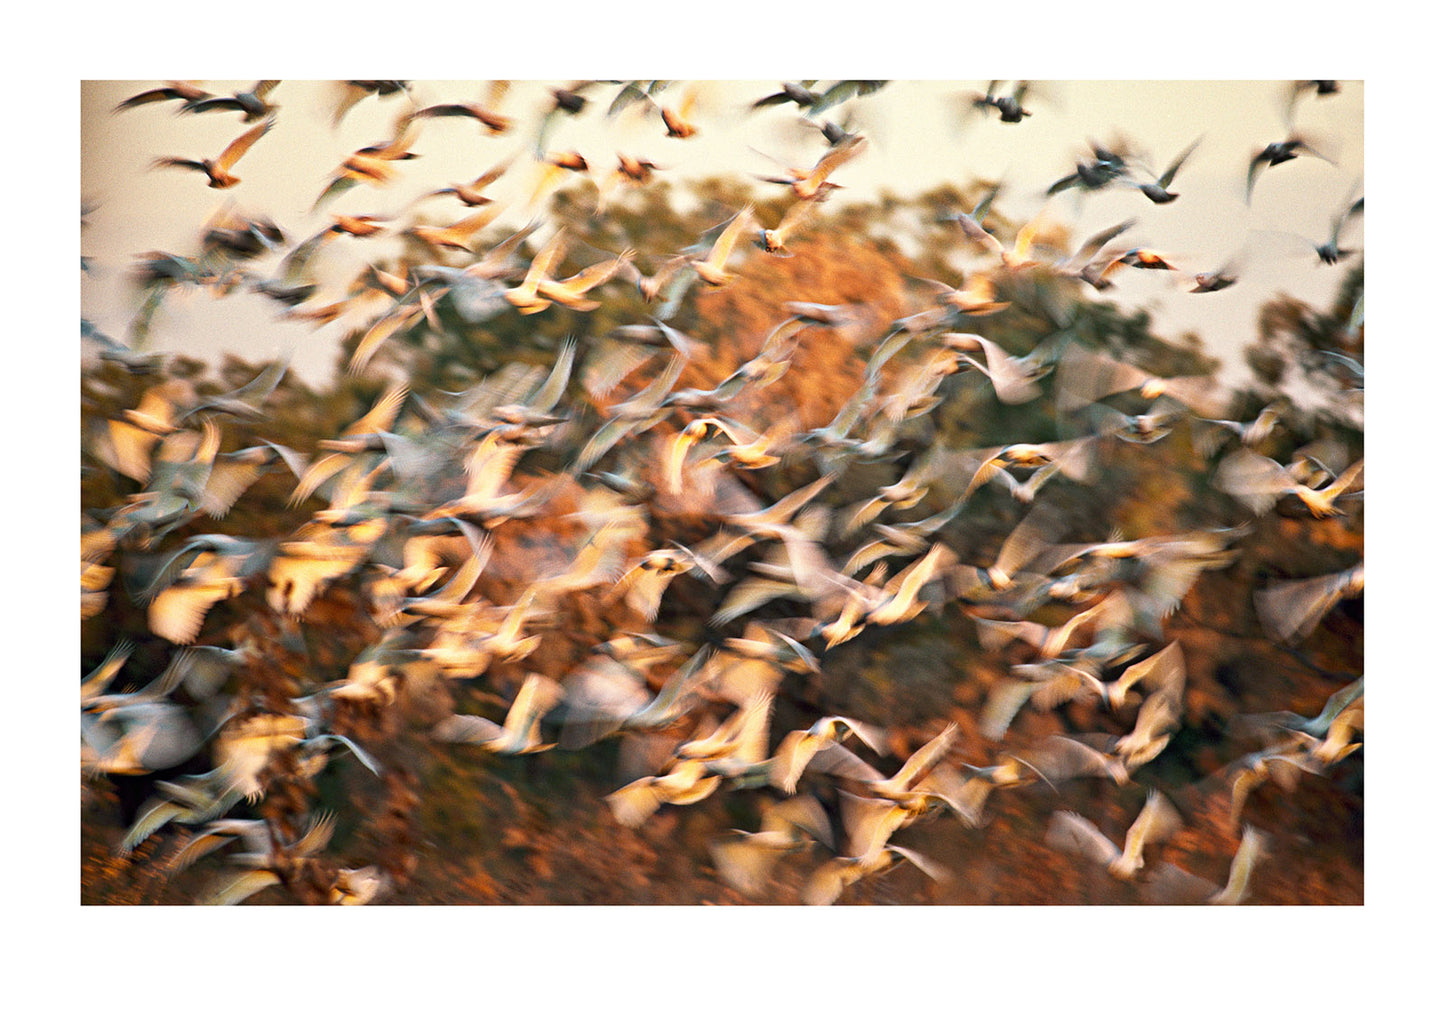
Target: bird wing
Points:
(1071, 832)
(237, 148)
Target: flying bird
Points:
(253, 103)
(218, 170)
(1275, 153)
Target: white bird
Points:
(1291, 610)
(793, 753)
(521, 731)
(713, 268)
(1259, 482)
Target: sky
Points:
(922, 134)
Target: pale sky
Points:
(919, 138)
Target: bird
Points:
(1015, 378)
(520, 732)
(902, 787)
(495, 123)
(829, 880)
(642, 410)
(713, 268)
(814, 183)
(524, 295)
(185, 91)
(774, 240)
(976, 295)
(1275, 153)
(218, 170)
(570, 291)
(644, 582)
(1290, 725)
(1157, 189)
(746, 860)
(253, 103)
(372, 164)
(472, 193)
(685, 783)
(1156, 822)
(1091, 259)
(1210, 434)
(678, 119)
(1099, 172)
(245, 401)
(1008, 104)
(1226, 275)
(1086, 376)
(1072, 456)
(1159, 717)
(1291, 610)
(799, 94)
(1330, 252)
(457, 235)
(842, 91)
(790, 758)
(1015, 258)
(1259, 482)
(353, 91)
(1164, 670)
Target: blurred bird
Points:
(1211, 433)
(1009, 105)
(1105, 168)
(1071, 832)
(185, 91)
(217, 171)
(1226, 275)
(829, 880)
(1017, 258)
(1162, 671)
(1275, 153)
(459, 234)
(800, 94)
(687, 782)
(902, 787)
(520, 733)
(351, 92)
(808, 184)
(1159, 717)
(1015, 378)
(1086, 376)
(645, 581)
(252, 103)
(1285, 724)
(1330, 252)
(1258, 482)
(492, 121)
(793, 753)
(745, 861)
(571, 290)
(1074, 458)
(1157, 190)
(713, 269)
(841, 92)
(472, 193)
(1241, 867)
(1291, 610)
(774, 241)
(1090, 261)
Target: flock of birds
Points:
(424, 501)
